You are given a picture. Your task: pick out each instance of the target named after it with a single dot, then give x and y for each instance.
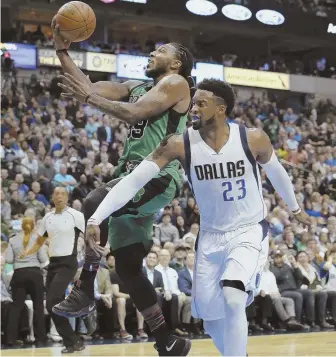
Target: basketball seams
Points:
(67, 17)
(80, 34)
(77, 22)
(78, 28)
(77, 7)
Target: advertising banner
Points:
(48, 57)
(101, 62)
(252, 78)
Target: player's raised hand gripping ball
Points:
(76, 21)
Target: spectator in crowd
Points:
(194, 229)
(312, 282)
(177, 262)
(27, 279)
(153, 275)
(289, 278)
(29, 164)
(104, 296)
(124, 306)
(82, 189)
(283, 306)
(36, 188)
(110, 262)
(46, 173)
(6, 209)
(185, 279)
(17, 207)
(64, 179)
(166, 231)
(328, 273)
(180, 225)
(33, 203)
(179, 303)
(170, 246)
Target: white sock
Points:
(235, 322)
(215, 328)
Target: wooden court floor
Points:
(306, 344)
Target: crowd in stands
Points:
(47, 141)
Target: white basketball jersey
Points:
(226, 185)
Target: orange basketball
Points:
(76, 21)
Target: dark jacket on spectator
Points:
(185, 281)
(17, 207)
(287, 278)
(157, 280)
(80, 192)
(102, 134)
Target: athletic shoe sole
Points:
(81, 313)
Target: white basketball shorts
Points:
(236, 255)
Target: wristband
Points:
(297, 211)
(64, 50)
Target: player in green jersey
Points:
(153, 111)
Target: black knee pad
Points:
(236, 284)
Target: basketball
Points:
(76, 21)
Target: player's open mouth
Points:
(195, 118)
(149, 63)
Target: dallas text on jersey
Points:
(220, 170)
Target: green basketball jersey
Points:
(145, 136)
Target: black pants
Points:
(265, 308)
(23, 325)
(302, 298)
(61, 272)
(170, 310)
(332, 304)
(107, 318)
(27, 281)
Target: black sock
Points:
(156, 323)
(87, 279)
(89, 272)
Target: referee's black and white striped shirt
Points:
(63, 230)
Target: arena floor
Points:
(305, 344)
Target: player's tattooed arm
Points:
(169, 92)
(114, 90)
(171, 148)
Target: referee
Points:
(62, 226)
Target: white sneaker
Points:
(55, 338)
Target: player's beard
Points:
(154, 72)
(199, 124)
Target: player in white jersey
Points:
(220, 160)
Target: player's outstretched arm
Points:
(170, 149)
(169, 92)
(109, 90)
(260, 144)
